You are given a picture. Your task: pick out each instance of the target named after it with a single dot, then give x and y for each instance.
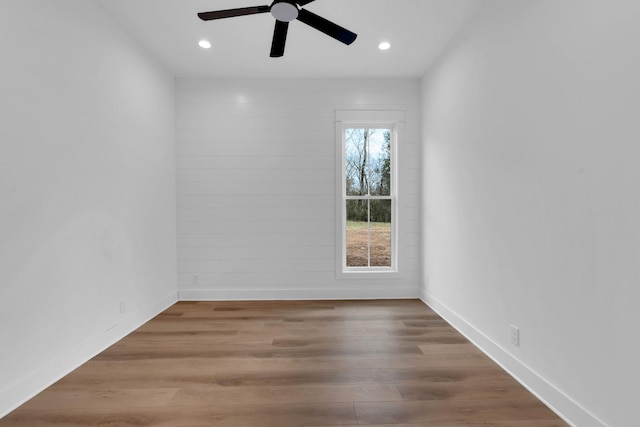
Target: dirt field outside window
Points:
(358, 240)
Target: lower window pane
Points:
(380, 233)
(368, 233)
(357, 233)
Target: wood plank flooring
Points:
(314, 364)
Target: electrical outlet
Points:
(515, 336)
(123, 305)
(195, 279)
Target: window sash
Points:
(391, 197)
(370, 253)
(368, 197)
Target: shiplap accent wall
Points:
(256, 171)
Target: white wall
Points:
(256, 187)
(532, 197)
(87, 189)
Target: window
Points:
(367, 202)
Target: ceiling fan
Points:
(285, 11)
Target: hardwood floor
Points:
(315, 363)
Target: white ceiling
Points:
(417, 29)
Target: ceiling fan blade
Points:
(230, 13)
(279, 39)
(329, 28)
(303, 2)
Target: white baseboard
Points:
(43, 376)
(563, 405)
(345, 293)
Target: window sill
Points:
(368, 274)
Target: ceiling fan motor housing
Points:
(284, 11)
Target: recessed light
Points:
(384, 46)
(205, 44)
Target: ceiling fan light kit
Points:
(285, 11)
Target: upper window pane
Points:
(367, 162)
(380, 162)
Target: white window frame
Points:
(378, 119)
